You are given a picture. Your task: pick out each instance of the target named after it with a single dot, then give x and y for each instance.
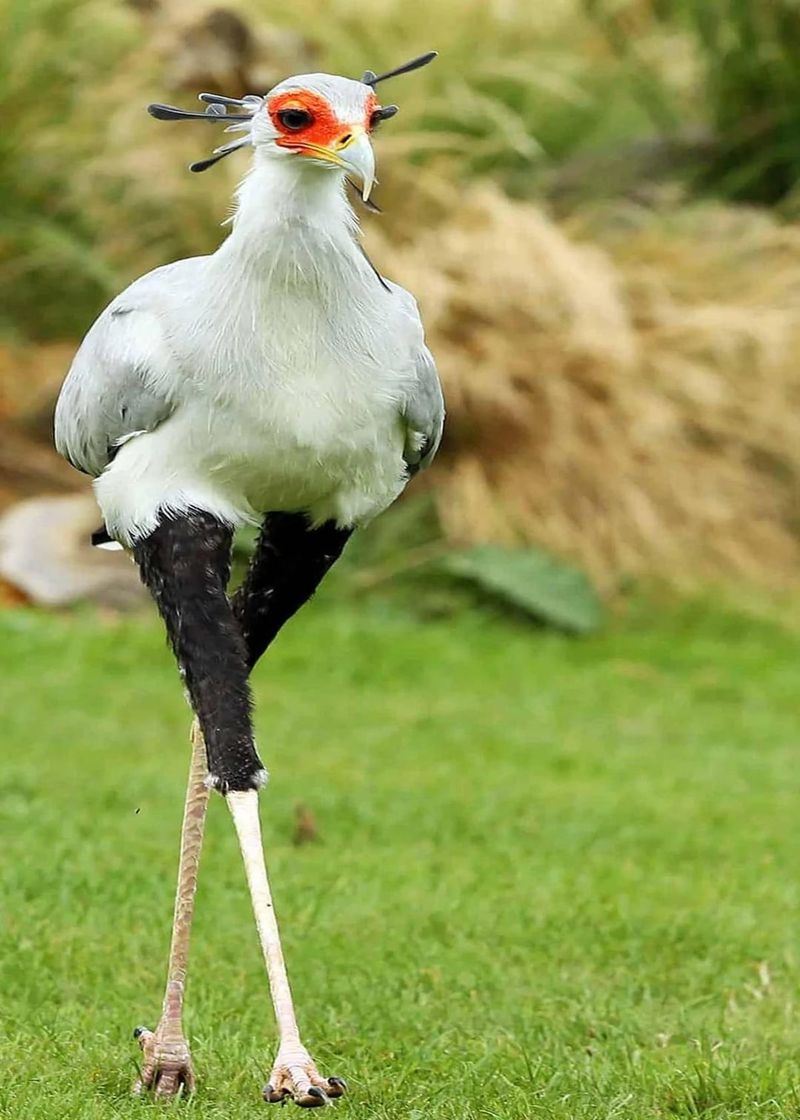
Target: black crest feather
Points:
(217, 104)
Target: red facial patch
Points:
(324, 128)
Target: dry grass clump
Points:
(633, 407)
(622, 387)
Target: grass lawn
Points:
(556, 878)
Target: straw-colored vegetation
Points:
(632, 405)
(621, 373)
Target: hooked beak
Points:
(353, 152)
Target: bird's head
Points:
(322, 119)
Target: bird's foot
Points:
(295, 1077)
(167, 1065)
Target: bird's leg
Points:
(294, 1073)
(288, 564)
(185, 562)
(167, 1064)
(289, 561)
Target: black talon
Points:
(139, 1031)
(339, 1085)
(272, 1096)
(320, 1097)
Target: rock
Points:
(46, 557)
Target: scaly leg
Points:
(289, 561)
(294, 1073)
(167, 1066)
(185, 562)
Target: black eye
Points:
(295, 119)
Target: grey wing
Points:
(115, 389)
(423, 414)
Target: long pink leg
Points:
(167, 1065)
(293, 1073)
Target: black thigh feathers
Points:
(288, 565)
(185, 563)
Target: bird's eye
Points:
(295, 119)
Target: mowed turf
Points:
(555, 878)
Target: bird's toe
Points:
(314, 1097)
(166, 1069)
(295, 1076)
(168, 1083)
(273, 1095)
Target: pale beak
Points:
(358, 157)
(352, 151)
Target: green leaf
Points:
(532, 581)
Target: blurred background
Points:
(594, 201)
(534, 745)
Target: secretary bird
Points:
(280, 380)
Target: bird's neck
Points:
(288, 211)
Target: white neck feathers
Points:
(285, 203)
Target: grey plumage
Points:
(116, 387)
(277, 374)
(113, 390)
(424, 415)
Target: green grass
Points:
(557, 878)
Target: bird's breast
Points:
(300, 368)
(294, 391)
(296, 421)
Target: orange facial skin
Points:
(325, 129)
